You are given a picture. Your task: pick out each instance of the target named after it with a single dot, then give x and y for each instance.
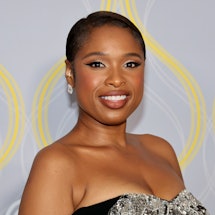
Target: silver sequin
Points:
(142, 204)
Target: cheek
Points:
(138, 82)
(87, 82)
(138, 85)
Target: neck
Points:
(92, 132)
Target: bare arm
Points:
(48, 190)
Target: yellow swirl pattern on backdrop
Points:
(194, 94)
(41, 104)
(16, 119)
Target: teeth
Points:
(114, 98)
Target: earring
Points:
(68, 74)
(69, 89)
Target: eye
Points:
(132, 64)
(96, 64)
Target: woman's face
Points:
(109, 73)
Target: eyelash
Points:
(97, 64)
(132, 64)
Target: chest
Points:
(113, 174)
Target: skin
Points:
(98, 160)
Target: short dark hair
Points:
(82, 28)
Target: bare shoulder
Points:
(53, 161)
(54, 157)
(157, 144)
(49, 186)
(161, 148)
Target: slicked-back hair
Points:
(81, 30)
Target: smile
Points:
(114, 98)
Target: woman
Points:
(98, 168)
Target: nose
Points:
(115, 78)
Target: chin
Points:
(117, 123)
(113, 121)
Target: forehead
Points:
(109, 30)
(110, 36)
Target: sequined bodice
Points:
(142, 204)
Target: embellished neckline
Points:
(182, 192)
(140, 203)
(137, 195)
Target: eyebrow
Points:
(130, 54)
(94, 54)
(134, 54)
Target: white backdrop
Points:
(178, 105)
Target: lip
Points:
(114, 99)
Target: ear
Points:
(69, 74)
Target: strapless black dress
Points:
(143, 204)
